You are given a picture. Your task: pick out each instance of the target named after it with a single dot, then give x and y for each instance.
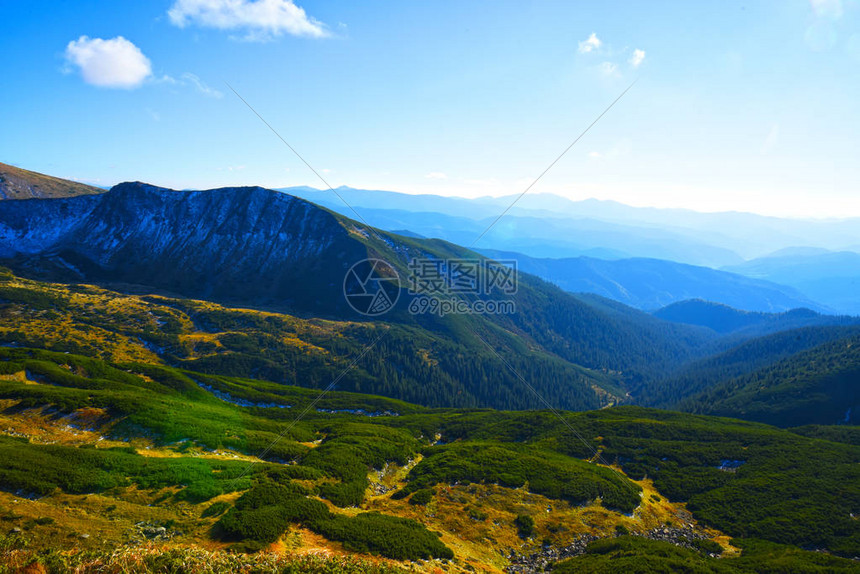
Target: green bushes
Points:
(349, 451)
(780, 486)
(546, 473)
(215, 509)
(40, 469)
(786, 488)
(525, 525)
(263, 514)
(635, 555)
(707, 546)
(390, 536)
(422, 497)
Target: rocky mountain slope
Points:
(17, 183)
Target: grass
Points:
(476, 476)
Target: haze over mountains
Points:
(832, 278)
(650, 284)
(650, 241)
(727, 235)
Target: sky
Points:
(737, 105)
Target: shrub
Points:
(525, 525)
(422, 497)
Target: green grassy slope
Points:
(422, 364)
(746, 479)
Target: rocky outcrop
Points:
(245, 244)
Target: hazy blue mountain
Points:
(536, 233)
(724, 319)
(746, 234)
(832, 278)
(652, 283)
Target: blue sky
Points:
(748, 106)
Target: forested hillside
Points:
(747, 357)
(818, 386)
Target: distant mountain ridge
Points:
(536, 233)
(831, 277)
(17, 183)
(746, 235)
(725, 319)
(651, 284)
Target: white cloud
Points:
(608, 69)
(589, 45)
(201, 87)
(166, 79)
(114, 63)
(189, 80)
(637, 58)
(595, 155)
(436, 175)
(827, 8)
(261, 19)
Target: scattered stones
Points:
(543, 560)
(378, 489)
(150, 531)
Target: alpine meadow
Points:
(292, 287)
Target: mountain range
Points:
(830, 277)
(183, 369)
(712, 237)
(267, 250)
(821, 273)
(650, 284)
(264, 249)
